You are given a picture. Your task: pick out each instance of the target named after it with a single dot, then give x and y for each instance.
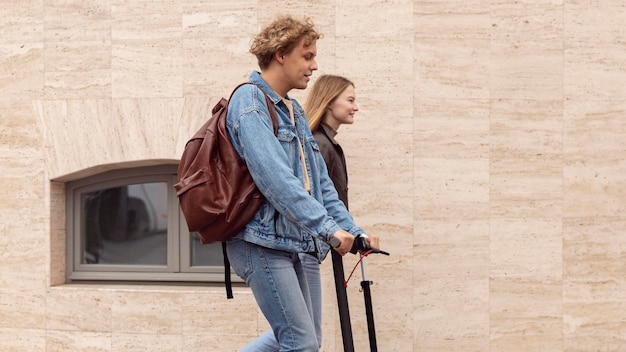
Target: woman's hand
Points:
(374, 241)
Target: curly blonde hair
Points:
(281, 36)
(323, 93)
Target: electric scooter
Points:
(362, 246)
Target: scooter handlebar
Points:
(361, 243)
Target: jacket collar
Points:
(328, 132)
(255, 77)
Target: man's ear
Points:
(279, 56)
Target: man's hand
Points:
(345, 239)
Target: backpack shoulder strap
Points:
(270, 105)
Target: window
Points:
(127, 225)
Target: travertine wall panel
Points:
(77, 21)
(21, 74)
(593, 285)
(594, 181)
(76, 70)
(594, 50)
(527, 167)
(488, 153)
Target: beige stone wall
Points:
(489, 155)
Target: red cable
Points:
(363, 255)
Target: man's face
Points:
(299, 65)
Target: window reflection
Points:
(205, 255)
(125, 225)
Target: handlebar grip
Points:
(360, 244)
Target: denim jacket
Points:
(290, 218)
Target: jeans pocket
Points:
(238, 252)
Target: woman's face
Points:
(342, 109)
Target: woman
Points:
(330, 104)
(301, 212)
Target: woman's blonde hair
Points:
(323, 93)
(281, 36)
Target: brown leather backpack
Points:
(215, 190)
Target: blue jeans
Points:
(267, 341)
(280, 285)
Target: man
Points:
(302, 212)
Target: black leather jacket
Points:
(334, 158)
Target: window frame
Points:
(178, 266)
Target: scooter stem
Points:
(369, 312)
